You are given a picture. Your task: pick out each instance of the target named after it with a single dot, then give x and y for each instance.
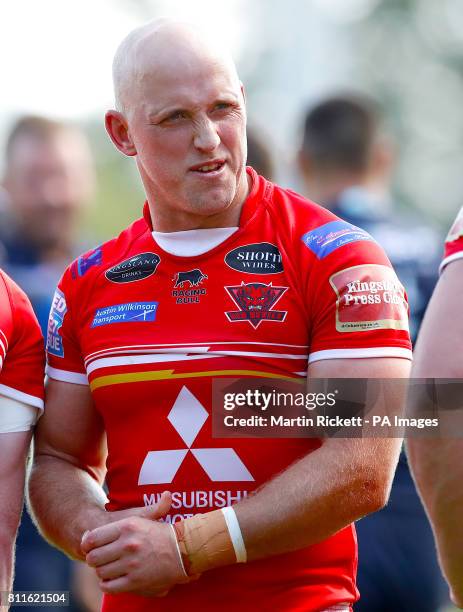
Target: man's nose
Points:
(53, 191)
(206, 137)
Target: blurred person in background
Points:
(259, 156)
(48, 183)
(437, 463)
(346, 162)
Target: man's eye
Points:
(175, 116)
(222, 106)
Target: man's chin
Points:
(214, 201)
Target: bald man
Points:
(217, 279)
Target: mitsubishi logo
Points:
(188, 416)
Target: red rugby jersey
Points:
(454, 242)
(22, 355)
(148, 331)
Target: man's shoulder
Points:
(297, 214)
(309, 223)
(296, 210)
(10, 291)
(6, 286)
(112, 253)
(15, 306)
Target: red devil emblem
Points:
(255, 301)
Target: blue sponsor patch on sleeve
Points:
(55, 322)
(327, 238)
(85, 262)
(132, 312)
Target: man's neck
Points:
(178, 220)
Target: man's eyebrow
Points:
(168, 110)
(226, 98)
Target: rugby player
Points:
(346, 163)
(225, 275)
(437, 462)
(22, 364)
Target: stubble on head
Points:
(155, 67)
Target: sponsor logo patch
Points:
(185, 283)
(369, 297)
(456, 231)
(188, 416)
(192, 277)
(255, 302)
(258, 258)
(135, 268)
(327, 238)
(132, 312)
(85, 262)
(55, 322)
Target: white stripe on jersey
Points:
(169, 355)
(110, 362)
(5, 339)
(64, 376)
(145, 348)
(37, 402)
(3, 345)
(448, 259)
(362, 353)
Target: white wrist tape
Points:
(16, 416)
(174, 533)
(235, 534)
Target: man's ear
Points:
(117, 128)
(382, 158)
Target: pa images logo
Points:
(255, 302)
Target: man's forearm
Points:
(318, 495)
(438, 474)
(13, 450)
(65, 501)
(6, 563)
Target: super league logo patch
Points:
(255, 302)
(327, 238)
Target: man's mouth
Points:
(209, 167)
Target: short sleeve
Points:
(358, 307)
(64, 357)
(6, 320)
(22, 348)
(454, 242)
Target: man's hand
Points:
(152, 512)
(135, 554)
